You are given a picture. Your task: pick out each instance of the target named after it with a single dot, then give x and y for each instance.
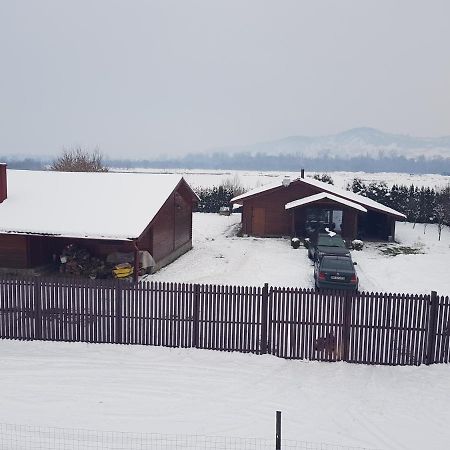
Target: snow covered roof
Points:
(367, 202)
(258, 190)
(352, 196)
(321, 196)
(116, 206)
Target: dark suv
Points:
(335, 272)
(326, 243)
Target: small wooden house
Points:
(41, 212)
(299, 206)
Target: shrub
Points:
(79, 160)
(214, 198)
(357, 244)
(295, 242)
(324, 177)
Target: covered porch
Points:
(350, 219)
(324, 210)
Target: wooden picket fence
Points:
(365, 328)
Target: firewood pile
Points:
(79, 262)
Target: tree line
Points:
(263, 161)
(419, 204)
(292, 162)
(423, 205)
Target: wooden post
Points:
(264, 324)
(348, 302)
(393, 229)
(196, 316)
(118, 312)
(278, 431)
(432, 327)
(37, 310)
(293, 233)
(136, 262)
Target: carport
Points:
(322, 210)
(376, 226)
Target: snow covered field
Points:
(220, 257)
(152, 389)
(250, 179)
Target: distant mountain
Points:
(351, 143)
(358, 149)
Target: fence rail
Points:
(25, 437)
(367, 328)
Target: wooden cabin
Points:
(41, 212)
(298, 207)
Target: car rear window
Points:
(336, 263)
(329, 241)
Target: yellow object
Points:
(123, 270)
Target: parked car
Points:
(335, 272)
(326, 243)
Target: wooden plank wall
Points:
(442, 344)
(13, 251)
(388, 328)
(305, 324)
(278, 221)
(156, 314)
(365, 328)
(229, 318)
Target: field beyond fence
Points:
(365, 328)
(25, 437)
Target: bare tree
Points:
(79, 160)
(234, 185)
(442, 209)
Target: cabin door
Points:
(259, 222)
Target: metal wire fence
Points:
(25, 437)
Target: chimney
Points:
(302, 173)
(3, 184)
(286, 181)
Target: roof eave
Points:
(391, 213)
(66, 235)
(331, 198)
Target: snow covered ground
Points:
(251, 179)
(152, 389)
(220, 257)
(188, 391)
(415, 273)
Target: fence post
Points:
(432, 327)
(196, 316)
(278, 431)
(348, 302)
(37, 309)
(118, 291)
(264, 324)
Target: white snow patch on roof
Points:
(352, 196)
(265, 187)
(321, 196)
(116, 206)
(326, 187)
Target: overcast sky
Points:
(147, 78)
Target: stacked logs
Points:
(79, 262)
